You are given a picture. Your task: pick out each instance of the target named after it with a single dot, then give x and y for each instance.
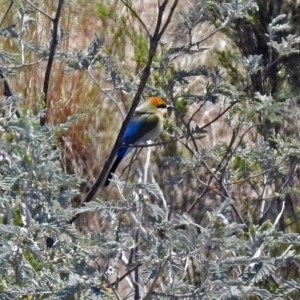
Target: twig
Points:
(293, 285)
(266, 179)
(290, 176)
(224, 25)
(54, 43)
(177, 296)
(227, 196)
(155, 37)
(247, 179)
(206, 125)
(39, 10)
(147, 164)
(187, 127)
(195, 112)
(25, 65)
(279, 215)
(169, 17)
(232, 204)
(160, 269)
(134, 157)
(138, 224)
(213, 176)
(212, 188)
(137, 16)
(126, 274)
(136, 271)
(105, 92)
(162, 197)
(207, 188)
(7, 90)
(219, 115)
(7, 11)
(262, 217)
(114, 290)
(240, 141)
(228, 153)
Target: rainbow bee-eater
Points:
(146, 124)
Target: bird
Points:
(145, 125)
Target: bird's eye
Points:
(162, 106)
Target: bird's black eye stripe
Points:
(162, 106)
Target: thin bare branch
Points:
(39, 10)
(223, 26)
(26, 65)
(137, 17)
(160, 270)
(7, 89)
(106, 93)
(126, 274)
(7, 11)
(169, 18)
(54, 43)
(219, 115)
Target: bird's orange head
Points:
(152, 105)
(158, 102)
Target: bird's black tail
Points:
(112, 170)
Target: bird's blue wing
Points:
(140, 125)
(132, 131)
